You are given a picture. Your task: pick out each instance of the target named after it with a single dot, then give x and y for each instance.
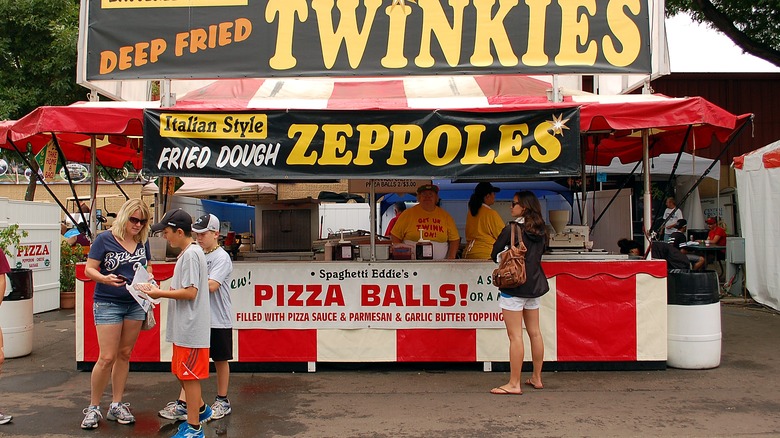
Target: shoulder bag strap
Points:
(512, 226)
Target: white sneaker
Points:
(174, 411)
(92, 416)
(120, 413)
(220, 408)
(5, 418)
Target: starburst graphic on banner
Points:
(402, 3)
(558, 124)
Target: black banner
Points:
(300, 145)
(153, 39)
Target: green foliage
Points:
(38, 50)
(69, 256)
(754, 25)
(11, 236)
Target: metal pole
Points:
(648, 204)
(93, 183)
(372, 219)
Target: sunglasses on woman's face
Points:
(515, 203)
(136, 221)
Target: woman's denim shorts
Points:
(113, 313)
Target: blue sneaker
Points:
(206, 415)
(187, 431)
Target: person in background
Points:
(483, 224)
(660, 250)
(631, 248)
(670, 220)
(76, 232)
(674, 258)
(4, 269)
(678, 239)
(206, 229)
(717, 235)
(399, 207)
(521, 304)
(435, 223)
(189, 318)
(112, 261)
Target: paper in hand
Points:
(141, 277)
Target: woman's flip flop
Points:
(530, 383)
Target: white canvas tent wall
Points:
(688, 171)
(758, 189)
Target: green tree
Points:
(753, 25)
(38, 50)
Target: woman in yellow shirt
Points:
(483, 224)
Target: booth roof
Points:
(688, 165)
(615, 118)
(198, 187)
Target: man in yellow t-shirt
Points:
(436, 224)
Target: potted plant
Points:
(69, 256)
(11, 236)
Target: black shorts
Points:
(221, 344)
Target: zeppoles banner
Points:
(153, 39)
(280, 145)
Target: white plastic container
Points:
(693, 319)
(694, 336)
(16, 314)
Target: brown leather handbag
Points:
(511, 269)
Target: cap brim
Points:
(158, 227)
(202, 230)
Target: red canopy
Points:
(116, 126)
(618, 118)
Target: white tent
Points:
(689, 165)
(758, 188)
(205, 187)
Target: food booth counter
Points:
(599, 314)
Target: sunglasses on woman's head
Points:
(136, 221)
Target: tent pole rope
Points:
(45, 186)
(714, 162)
(622, 186)
(61, 157)
(113, 180)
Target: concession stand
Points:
(603, 311)
(331, 108)
(599, 313)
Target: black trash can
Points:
(693, 319)
(21, 285)
(16, 314)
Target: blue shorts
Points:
(113, 313)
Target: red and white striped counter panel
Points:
(595, 312)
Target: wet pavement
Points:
(45, 394)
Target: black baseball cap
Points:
(175, 219)
(485, 188)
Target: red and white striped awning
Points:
(413, 92)
(617, 119)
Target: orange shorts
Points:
(190, 363)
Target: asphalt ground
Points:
(46, 394)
